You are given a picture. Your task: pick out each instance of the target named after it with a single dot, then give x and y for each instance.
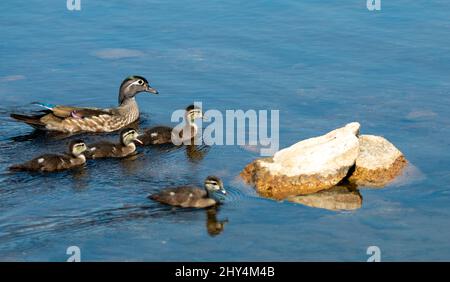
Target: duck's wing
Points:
(74, 112)
(101, 150)
(179, 196)
(73, 119)
(48, 162)
(156, 135)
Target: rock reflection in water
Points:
(336, 198)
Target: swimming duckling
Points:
(193, 197)
(166, 135)
(71, 120)
(106, 149)
(53, 162)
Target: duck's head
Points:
(128, 136)
(77, 147)
(214, 187)
(133, 85)
(193, 112)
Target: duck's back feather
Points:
(184, 196)
(75, 112)
(157, 135)
(101, 150)
(48, 163)
(109, 150)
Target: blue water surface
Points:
(321, 63)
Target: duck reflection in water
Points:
(195, 153)
(40, 135)
(214, 226)
(80, 177)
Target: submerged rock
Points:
(336, 198)
(378, 162)
(410, 174)
(306, 167)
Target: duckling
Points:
(71, 120)
(53, 162)
(193, 197)
(125, 148)
(165, 135)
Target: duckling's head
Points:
(128, 136)
(132, 85)
(193, 112)
(77, 147)
(214, 187)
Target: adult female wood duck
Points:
(69, 119)
(53, 162)
(106, 149)
(191, 196)
(167, 135)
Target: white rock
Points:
(378, 162)
(308, 166)
(320, 155)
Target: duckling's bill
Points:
(151, 90)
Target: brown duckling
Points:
(106, 149)
(166, 135)
(53, 162)
(191, 196)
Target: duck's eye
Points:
(140, 82)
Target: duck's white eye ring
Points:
(140, 82)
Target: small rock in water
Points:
(337, 198)
(320, 163)
(410, 174)
(306, 167)
(378, 162)
(421, 114)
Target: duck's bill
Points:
(139, 141)
(151, 90)
(223, 191)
